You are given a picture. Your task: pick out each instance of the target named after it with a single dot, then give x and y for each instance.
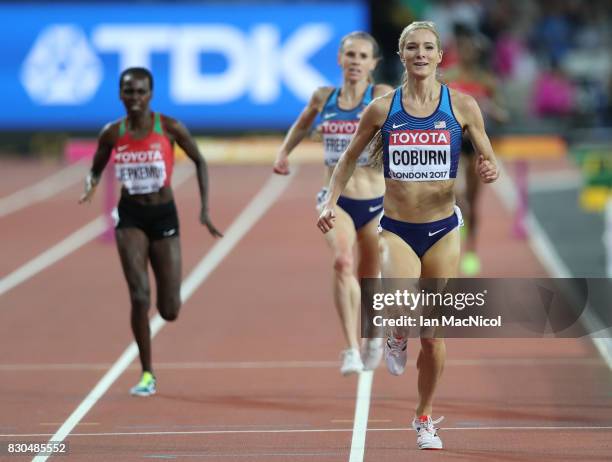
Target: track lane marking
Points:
(360, 422)
(310, 430)
(258, 206)
(221, 365)
(42, 190)
(66, 246)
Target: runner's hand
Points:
(281, 164)
(326, 219)
(91, 182)
(205, 220)
(487, 170)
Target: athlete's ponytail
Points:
(375, 148)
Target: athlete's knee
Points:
(140, 299)
(343, 263)
(431, 346)
(169, 307)
(169, 315)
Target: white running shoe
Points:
(427, 432)
(351, 362)
(371, 353)
(396, 355)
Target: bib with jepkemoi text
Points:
(140, 172)
(337, 135)
(419, 155)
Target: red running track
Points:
(250, 369)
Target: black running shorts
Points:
(159, 221)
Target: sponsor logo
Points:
(61, 68)
(330, 115)
(64, 68)
(436, 232)
(170, 232)
(374, 209)
(123, 147)
(138, 156)
(399, 125)
(155, 145)
(339, 127)
(424, 137)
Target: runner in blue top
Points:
(420, 126)
(361, 202)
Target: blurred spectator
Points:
(553, 33)
(553, 93)
(447, 13)
(552, 57)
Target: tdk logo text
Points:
(63, 67)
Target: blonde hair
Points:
(376, 144)
(416, 25)
(360, 35)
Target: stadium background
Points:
(239, 69)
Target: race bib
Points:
(419, 155)
(337, 135)
(141, 172)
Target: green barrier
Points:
(595, 162)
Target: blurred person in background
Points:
(147, 227)
(553, 93)
(471, 76)
(361, 203)
(419, 229)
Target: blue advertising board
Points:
(239, 66)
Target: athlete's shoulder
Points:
(383, 102)
(462, 101)
(465, 107)
(321, 94)
(378, 110)
(110, 132)
(171, 125)
(381, 89)
(168, 121)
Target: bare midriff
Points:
(419, 201)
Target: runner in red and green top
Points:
(147, 228)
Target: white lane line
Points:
(369, 421)
(362, 409)
(242, 455)
(310, 430)
(71, 243)
(544, 249)
(258, 206)
(174, 366)
(65, 247)
(223, 365)
(43, 189)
